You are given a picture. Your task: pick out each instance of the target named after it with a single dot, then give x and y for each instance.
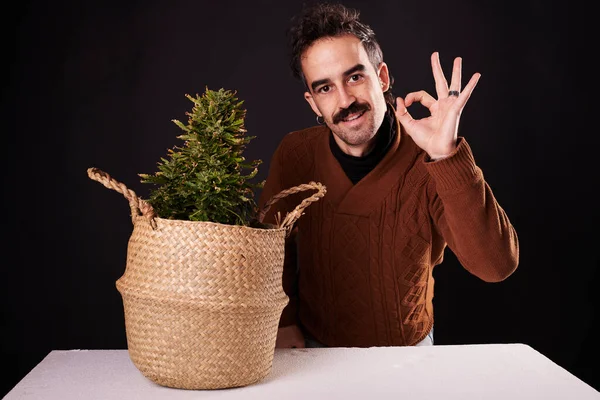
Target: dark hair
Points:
(323, 20)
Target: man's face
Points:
(345, 88)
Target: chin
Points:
(356, 138)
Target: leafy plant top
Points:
(207, 178)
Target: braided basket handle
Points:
(141, 207)
(292, 217)
(137, 205)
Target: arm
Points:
(466, 213)
(463, 207)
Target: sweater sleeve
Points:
(274, 185)
(469, 218)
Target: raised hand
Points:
(437, 133)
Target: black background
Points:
(96, 84)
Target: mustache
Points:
(355, 107)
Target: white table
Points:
(495, 371)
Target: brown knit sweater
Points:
(358, 265)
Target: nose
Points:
(346, 97)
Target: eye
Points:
(323, 89)
(355, 78)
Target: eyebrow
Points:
(319, 82)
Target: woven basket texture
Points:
(202, 300)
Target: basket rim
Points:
(219, 224)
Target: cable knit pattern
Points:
(362, 275)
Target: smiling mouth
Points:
(354, 117)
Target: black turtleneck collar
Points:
(357, 168)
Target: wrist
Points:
(441, 156)
(437, 158)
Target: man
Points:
(399, 190)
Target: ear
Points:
(308, 97)
(384, 76)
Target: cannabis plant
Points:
(207, 178)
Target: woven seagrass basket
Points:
(202, 300)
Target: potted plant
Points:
(202, 290)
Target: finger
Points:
(455, 83)
(421, 97)
(466, 93)
(402, 114)
(441, 84)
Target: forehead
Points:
(329, 57)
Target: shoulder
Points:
(296, 153)
(304, 139)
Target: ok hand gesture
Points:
(437, 133)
